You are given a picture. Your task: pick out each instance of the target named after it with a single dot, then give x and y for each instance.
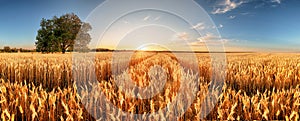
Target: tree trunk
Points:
(63, 50)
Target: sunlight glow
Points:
(152, 47)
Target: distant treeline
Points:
(101, 50)
(7, 49)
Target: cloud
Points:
(146, 18)
(157, 18)
(226, 6)
(221, 26)
(260, 5)
(242, 13)
(226, 41)
(232, 17)
(245, 13)
(218, 27)
(199, 26)
(125, 22)
(211, 39)
(272, 3)
(274, 6)
(183, 36)
(276, 1)
(206, 39)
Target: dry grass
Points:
(44, 87)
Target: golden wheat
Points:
(43, 87)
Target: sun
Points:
(144, 49)
(152, 47)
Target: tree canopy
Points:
(64, 33)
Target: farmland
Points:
(257, 86)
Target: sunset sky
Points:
(244, 25)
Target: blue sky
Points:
(20, 19)
(267, 24)
(244, 24)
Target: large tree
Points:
(60, 33)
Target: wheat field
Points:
(257, 86)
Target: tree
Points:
(45, 38)
(83, 38)
(59, 34)
(6, 49)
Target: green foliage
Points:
(6, 49)
(60, 34)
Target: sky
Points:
(20, 19)
(244, 25)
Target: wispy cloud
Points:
(157, 18)
(125, 22)
(227, 5)
(206, 39)
(183, 36)
(211, 39)
(227, 40)
(198, 26)
(202, 26)
(245, 13)
(232, 17)
(146, 18)
(221, 26)
(272, 3)
(260, 5)
(276, 1)
(218, 27)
